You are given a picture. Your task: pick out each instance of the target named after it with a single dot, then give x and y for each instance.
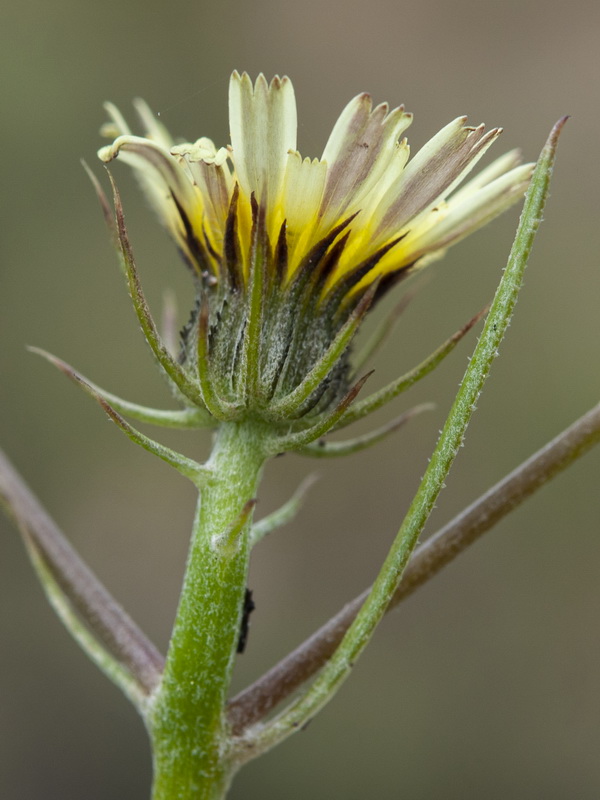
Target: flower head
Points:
(289, 253)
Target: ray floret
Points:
(365, 167)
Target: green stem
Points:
(261, 737)
(187, 722)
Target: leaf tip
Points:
(554, 136)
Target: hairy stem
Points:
(187, 723)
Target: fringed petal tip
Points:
(243, 78)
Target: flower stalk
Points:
(187, 721)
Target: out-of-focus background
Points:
(486, 682)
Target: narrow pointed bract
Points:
(383, 396)
(185, 418)
(325, 449)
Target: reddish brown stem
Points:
(113, 627)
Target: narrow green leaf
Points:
(104, 204)
(186, 466)
(265, 736)
(440, 549)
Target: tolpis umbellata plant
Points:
(287, 256)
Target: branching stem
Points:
(263, 736)
(273, 687)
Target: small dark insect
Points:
(249, 607)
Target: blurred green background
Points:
(486, 682)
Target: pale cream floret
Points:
(263, 124)
(202, 149)
(303, 186)
(166, 185)
(364, 171)
(359, 153)
(117, 125)
(155, 165)
(431, 175)
(155, 130)
(500, 166)
(208, 170)
(466, 212)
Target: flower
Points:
(289, 253)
